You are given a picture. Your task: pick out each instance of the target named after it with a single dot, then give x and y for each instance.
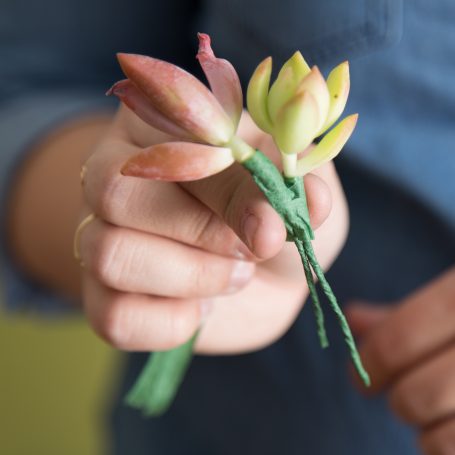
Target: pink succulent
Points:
(175, 102)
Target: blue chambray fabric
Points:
(397, 170)
(406, 97)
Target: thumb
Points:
(238, 201)
(364, 316)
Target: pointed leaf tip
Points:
(126, 60)
(204, 44)
(299, 65)
(291, 74)
(117, 88)
(223, 79)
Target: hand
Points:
(409, 351)
(160, 255)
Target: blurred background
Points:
(56, 378)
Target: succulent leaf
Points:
(223, 79)
(329, 147)
(338, 83)
(256, 95)
(286, 83)
(315, 84)
(180, 97)
(132, 97)
(178, 162)
(296, 123)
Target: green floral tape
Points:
(287, 197)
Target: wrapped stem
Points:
(295, 184)
(159, 381)
(287, 197)
(348, 337)
(317, 309)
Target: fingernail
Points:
(241, 251)
(250, 226)
(82, 174)
(241, 274)
(206, 307)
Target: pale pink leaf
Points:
(180, 97)
(132, 97)
(178, 162)
(223, 79)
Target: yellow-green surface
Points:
(55, 382)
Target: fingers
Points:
(160, 208)
(439, 440)
(137, 262)
(426, 394)
(237, 200)
(425, 398)
(420, 326)
(365, 317)
(140, 322)
(411, 350)
(221, 214)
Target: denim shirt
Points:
(397, 171)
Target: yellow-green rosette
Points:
(299, 107)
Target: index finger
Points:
(155, 207)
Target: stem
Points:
(349, 339)
(295, 184)
(289, 164)
(281, 194)
(159, 381)
(317, 309)
(287, 197)
(240, 149)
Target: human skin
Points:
(409, 351)
(160, 254)
(186, 251)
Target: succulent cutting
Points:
(297, 109)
